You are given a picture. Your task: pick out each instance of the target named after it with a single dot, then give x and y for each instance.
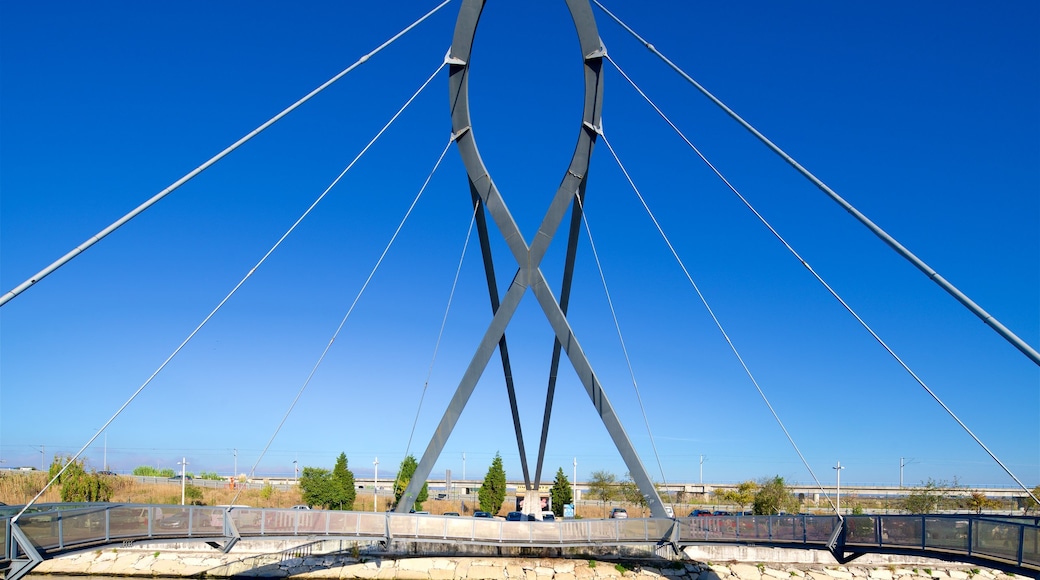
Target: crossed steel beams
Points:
(528, 257)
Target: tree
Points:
(77, 485)
(927, 498)
(978, 501)
(561, 493)
(404, 475)
(743, 496)
(317, 487)
(493, 491)
(603, 486)
(630, 492)
(773, 497)
(1030, 504)
(344, 490)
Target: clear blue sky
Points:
(924, 115)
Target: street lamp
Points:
(903, 463)
(235, 452)
(296, 471)
(463, 466)
(837, 492)
(702, 471)
(574, 484)
(375, 487)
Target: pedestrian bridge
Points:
(1010, 543)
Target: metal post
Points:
(235, 474)
(837, 492)
(183, 464)
(375, 487)
(574, 484)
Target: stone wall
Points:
(308, 561)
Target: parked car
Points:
(300, 507)
(548, 517)
(515, 517)
(178, 478)
(669, 511)
(451, 513)
(177, 521)
(721, 513)
(699, 513)
(618, 513)
(482, 515)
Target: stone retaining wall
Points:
(304, 562)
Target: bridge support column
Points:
(21, 545)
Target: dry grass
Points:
(19, 487)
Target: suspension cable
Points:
(353, 304)
(621, 339)
(819, 278)
(139, 209)
(986, 317)
(718, 323)
(227, 297)
(444, 322)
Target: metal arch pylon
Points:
(528, 257)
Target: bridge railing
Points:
(76, 527)
(1014, 540)
(793, 529)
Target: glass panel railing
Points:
(126, 521)
(80, 527)
(818, 529)
(312, 521)
(171, 521)
(948, 534)
(1031, 546)
(861, 530)
(545, 532)
(459, 528)
(41, 528)
(574, 532)
(372, 524)
(516, 531)
(207, 522)
(5, 534)
(402, 525)
(602, 530)
(248, 521)
(430, 526)
(902, 531)
(996, 539)
(487, 530)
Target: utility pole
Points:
(701, 481)
(837, 492)
(574, 484)
(296, 471)
(375, 487)
(183, 464)
(463, 466)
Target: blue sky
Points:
(925, 116)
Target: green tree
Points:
(404, 475)
(743, 495)
(193, 494)
(603, 486)
(630, 492)
(76, 484)
(773, 497)
(978, 501)
(926, 498)
(317, 487)
(1030, 503)
(344, 490)
(561, 493)
(493, 491)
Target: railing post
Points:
(107, 524)
(1021, 543)
(61, 530)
